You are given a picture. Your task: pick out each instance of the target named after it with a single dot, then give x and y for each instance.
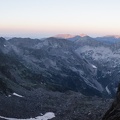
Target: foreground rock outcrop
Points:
(114, 112)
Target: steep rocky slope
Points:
(58, 64)
(105, 57)
(114, 111)
(14, 76)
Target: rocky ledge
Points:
(114, 112)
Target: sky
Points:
(43, 18)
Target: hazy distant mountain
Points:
(69, 36)
(65, 36)
(106, 39)
(78, 37)
(109, 38)
(115, 36)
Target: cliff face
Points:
(114, 112)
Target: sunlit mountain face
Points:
(68, 36)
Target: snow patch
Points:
(94, 66)
(47, 116)
(108, 91)
(15, 94)
(94, 84)
(9, 95)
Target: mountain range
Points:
(78, 63)
(59, 75)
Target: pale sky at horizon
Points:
(38, 18)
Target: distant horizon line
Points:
(60, 36)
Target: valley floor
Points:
(66, 106)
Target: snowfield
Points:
(47, 116)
